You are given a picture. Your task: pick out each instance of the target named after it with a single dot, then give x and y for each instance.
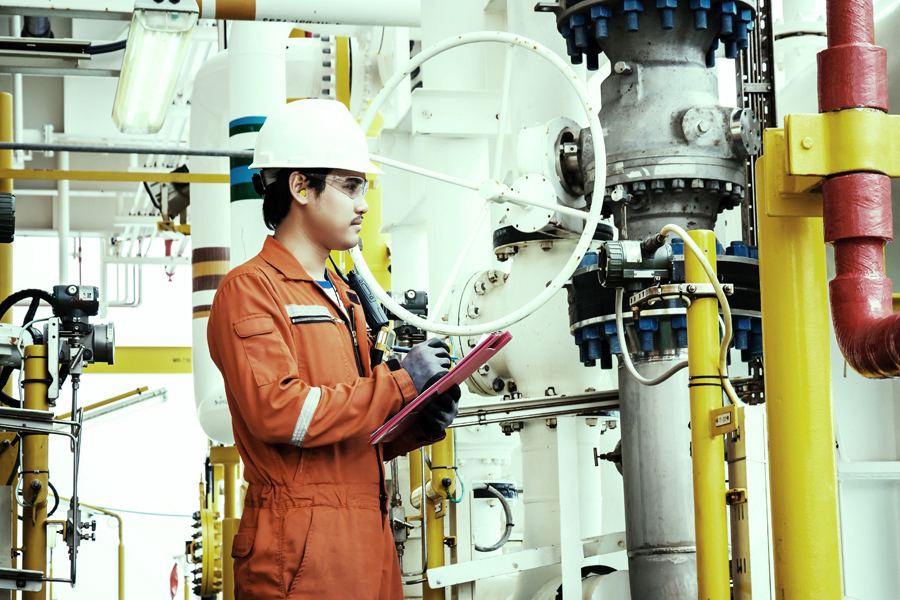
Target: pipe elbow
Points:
(867, 331)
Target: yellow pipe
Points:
(6, 275)
(435, 526)
(90, 407)
(707, 449)
(799, 408)
(69, 175)
(443, 454)
(35, 464)
(740, 517)
(147, 359)
(121, 543)
(227, 459)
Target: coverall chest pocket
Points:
(267, 354)
(323, 343)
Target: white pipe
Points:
(397, 13)
(72, 193)
(62, 204)
(256, 52)
(18, 100)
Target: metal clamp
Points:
(673, 291)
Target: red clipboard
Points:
(463, 370)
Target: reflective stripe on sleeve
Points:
(306, 415)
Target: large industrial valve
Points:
(204, 550)
(530, 207)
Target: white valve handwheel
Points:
(593, 217)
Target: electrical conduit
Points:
(857, 206)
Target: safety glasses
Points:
(351, 186)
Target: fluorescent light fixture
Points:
(154, 54)
(145, 400)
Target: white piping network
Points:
(593, 217)
(398, 13)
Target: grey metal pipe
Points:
(124, 149)
(659, 497)
(37, 27)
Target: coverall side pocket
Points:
(267, 354)
(294, 545)
(243, 543)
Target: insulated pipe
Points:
(255, 54)
(62, 217)
(211, 239)
(857, 206)
(395, 13)
(707, 448)
(35, 469)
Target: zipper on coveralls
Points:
(351, 329)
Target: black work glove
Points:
(437, 416)
(425, 361)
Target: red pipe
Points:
(857, 206)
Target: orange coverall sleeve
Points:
(250, 340)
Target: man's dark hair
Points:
(278, 198)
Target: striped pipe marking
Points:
(209, 266)
(232, 10)
(241, 176)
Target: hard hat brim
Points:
(361, 166)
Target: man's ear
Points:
(299, 187)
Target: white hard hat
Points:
(310, 134)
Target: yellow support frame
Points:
(843, 141)
(799, 406)
(147, 359)
(57, 175)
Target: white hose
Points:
(691, 245)
(626, 355)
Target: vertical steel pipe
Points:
(707, 449)
(35, 466)
(802, 470)
(62, 219)
(736, 444)
(656, 467)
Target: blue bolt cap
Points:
(720, 250)
(577, 20)
(648, 324)
(679, 322)
(609, 328)
(579, 337)
(740, 340)
(591, 258)
(754, 252)
(593, 347)
(646, 341)
(738, 249)
(601, 10)
(591, 332)
(681, 338)
(678, 246)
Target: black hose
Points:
(152, 197)
(56, 499)
(105, 48)
(15, 469)
(5, 306)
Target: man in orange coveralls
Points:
(285, 333)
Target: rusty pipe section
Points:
(857, 206)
